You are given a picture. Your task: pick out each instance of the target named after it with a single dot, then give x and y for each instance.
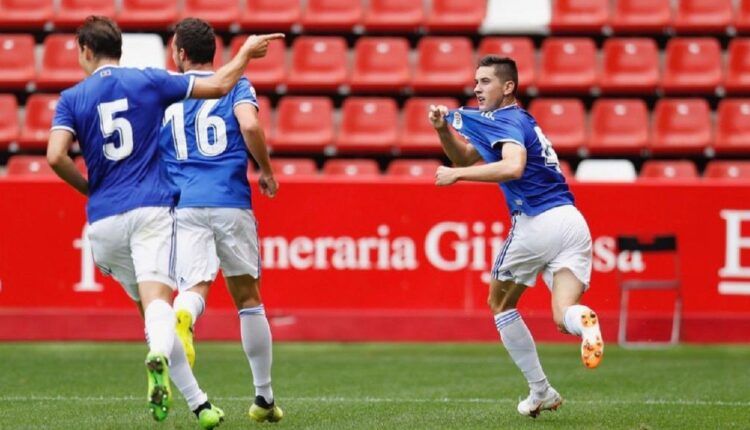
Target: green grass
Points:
(382, 386)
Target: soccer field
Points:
(381, 386)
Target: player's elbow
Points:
(251, 127)
(55, 157)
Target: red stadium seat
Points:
(381, 64)
(619, 126)
(733, 126)
(354, 167)
(630, 66)
(17, 64)
(456, 15)
(672, 169)
(703, 16)
(567, 171)
(270, 14)
(25, 14)
(394, 15)
(60, 67)
(368, 125)
(8, 121)
(742, 18)
(681, 126)
(722, 169)
(293, 166)
(738, 67)
(147, 14)
(692, 65)
(72, 13)
(641, 16)
(303, 124)
(332, 15)
(417, 134)
(445, 64)
(318, 64)
(583, 16)
(40, 110)
(218, 55)
(568, 65)
(520, 49)
(563, 122)
(265, 115)
(29, 165)
(221, 14)
(413, 168)
(268, 72)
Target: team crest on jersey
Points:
(458, 121)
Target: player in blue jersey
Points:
(115, 115)
(206, 144)
(548, 234)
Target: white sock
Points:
(191, 302)
(183, 378)
(572, 319)
(160, 321)
(256, 341)
(517, 340)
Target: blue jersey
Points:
(116, 115)
(542, 185)
(205, 152)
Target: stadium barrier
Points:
(390, 259)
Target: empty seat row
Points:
(377, 125)
(252, 15)
(442, 65)
(654, 16)
(417, 168)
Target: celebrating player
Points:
(115, 114)
(206, 146)
(548, 233)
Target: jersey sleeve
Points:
(64, 114)
(503, 131)
(244, 93)
(171, 87)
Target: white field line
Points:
(365, 400)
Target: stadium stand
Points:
(279, 15)
(619, 126)
(681, 126)
(723, 169)
(738, 67)
(351, 167)
(417, 135)
(613, 170)
(641, 16)
(40, 109)
(381, 64)
(742, 17)
(394, 16)
(455, 16)
(629, 66)
(265, 115)
(318, 64)
(303, 124)
(579, 16)
(71, 13)
(142, 50)
(444, 64)
(293, 166)
(60, 67)
(733, 127)
(9, 128)
(669, 169)
(568, 65)
(17, 63)
(146, 14)
(220, 13)
(692, 66)
(703, 16)
(368, 125)
(267, 73)
(29, 165)
(26, 14)
(413, 168)
(332, 15)
(520, 49)
(563, 121)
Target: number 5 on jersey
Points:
(109, 124)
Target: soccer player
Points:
(206, 144)
(115, 114)
(548, 233)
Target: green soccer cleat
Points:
(159, 388)
(209, 416)
(261, 411)
(184, 329)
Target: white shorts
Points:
(213, 238)
(136, 246)
(556, 239)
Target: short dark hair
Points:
(102, 36)
(197, 38)
(505, 69)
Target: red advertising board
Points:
(392, 260)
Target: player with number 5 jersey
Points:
(548, 234)
(115, 114)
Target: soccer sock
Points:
(572, 319)
(191, 302)
(256, 341)
(183, 378)
(160, 321)
(517, 340)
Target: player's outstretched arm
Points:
(58, 146)
(459, 152)
(220, 83)
(511, 167)
(255, 140)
